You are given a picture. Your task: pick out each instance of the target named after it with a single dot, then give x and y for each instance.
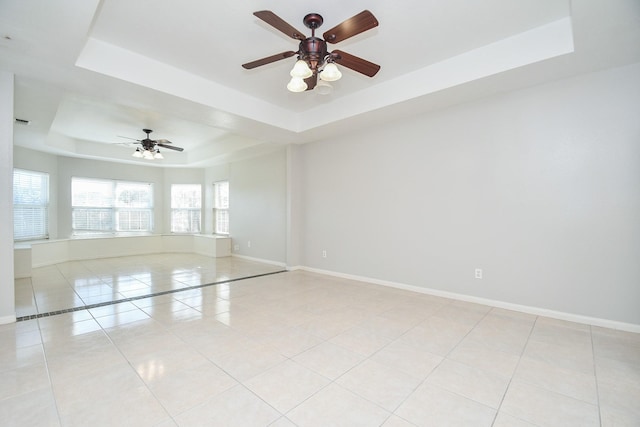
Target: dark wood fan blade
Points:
(279, 24)
(356, 64)
(170, 147)
(311, 81)
(355, 25)
(163, 141)
(268, 60)
(126, 137)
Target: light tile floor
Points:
(92, 282)
(302, 349)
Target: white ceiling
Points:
(90, 71)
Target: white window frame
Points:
(111, 210)
(186, 211)
(221, 207)
(30, 205)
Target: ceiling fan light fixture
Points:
(297, 84)
(323, 87)
(312, 51)
(330, 73)
(301, 69)
(149, 148)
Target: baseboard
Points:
(7, 319)
(587, 320)
(264, 261)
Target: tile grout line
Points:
(130, 365)
(423, 381)
(445, 358)
(515, 370)
(595, 374)
(171, 291)
(168, 413)
(46, 364)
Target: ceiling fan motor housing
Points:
(313, 50)
(147, 143)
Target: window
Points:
(30, 205)
(221, 207)
(104, 206)
(185, 208)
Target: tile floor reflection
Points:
(86, 283)
(303, 349)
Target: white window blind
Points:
(186, 204)
(221, 207)
(30, 205)
(105, 206)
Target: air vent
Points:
(22, 121)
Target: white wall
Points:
(7, 292)
(295, 205)
(540, 188)
(257, 206)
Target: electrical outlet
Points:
(249, 244)
(236, 248)
(324, 254)
(478, 273)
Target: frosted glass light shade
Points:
(330, 73)
(301, 69)
(158, 155)
(137, 153)
(297, 85)
(323, 87)
(147, 155)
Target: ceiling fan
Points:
(314, 60)
(149, 146)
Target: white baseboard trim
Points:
(264, 261)
(587, 320)
(7, 319)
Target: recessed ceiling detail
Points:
(538, 44)
(88, 70)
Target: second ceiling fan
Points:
(150, 146)
(314, 60)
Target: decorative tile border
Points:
(157, 294)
